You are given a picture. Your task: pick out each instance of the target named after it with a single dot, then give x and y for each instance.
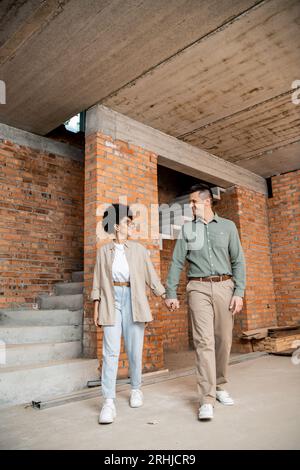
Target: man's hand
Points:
(172, 304)
(236, 304)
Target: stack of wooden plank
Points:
(278, 331)
(259, 333)
(275, 339)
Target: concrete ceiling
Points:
(215, 73)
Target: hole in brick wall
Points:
(269, 187)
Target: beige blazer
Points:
(142, 273)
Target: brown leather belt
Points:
(211, 278)
(116, 283)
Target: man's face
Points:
(198, 204)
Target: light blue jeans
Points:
(133, 333)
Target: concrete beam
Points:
(40, 143)
(172, 152)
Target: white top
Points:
(120, 268)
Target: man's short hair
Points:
(113, 215)
(202, 189)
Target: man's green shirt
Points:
(211, 249)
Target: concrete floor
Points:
(183, 359)
(266, 416)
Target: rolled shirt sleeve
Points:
(95, 292)
(177, 264)
(237, 259)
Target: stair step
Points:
(78, 276)
(37, 353)
(66, 288)
(23, 384)
(71, 302)
(40, 317)
(40, 334)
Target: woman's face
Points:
(125, 227)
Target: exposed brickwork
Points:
(113, 169)
(42, 239)
(284, 219)
(177, 328)
(41, 224)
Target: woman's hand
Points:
(96, 309)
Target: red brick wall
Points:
(177, 329)
(113, 169)
(41, 224)
(284, 219)
(248, 210)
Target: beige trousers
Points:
(212, 324)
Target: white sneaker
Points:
(223, 397)
(107, 413)
(136, 398)
(206, 411)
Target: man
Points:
(215, 291)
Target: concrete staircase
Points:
(41, 349)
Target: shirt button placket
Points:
(209, 251)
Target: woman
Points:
(123, 269)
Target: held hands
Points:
(236, 304)
(172, 304)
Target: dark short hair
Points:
(201, 187)
(113, 215)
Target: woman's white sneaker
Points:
(206, 411)
(136, 398)
(107, 413)
(224, 397)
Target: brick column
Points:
(248, 209)
(284, 216)
(114, 168)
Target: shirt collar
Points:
(216, 218)
(112, 244)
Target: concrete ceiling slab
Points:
(251, 60)
(216, 74)
(260, 128)
(275, 161)
(77, 53)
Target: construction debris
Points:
(277, 331)
(259, 333)
(273, 339)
